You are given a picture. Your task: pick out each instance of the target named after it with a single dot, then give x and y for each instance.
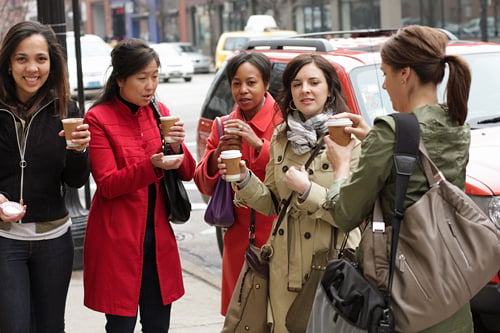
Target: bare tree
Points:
(11, 12)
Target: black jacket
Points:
(39, 171)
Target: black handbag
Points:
(177, 199)
(347, 302)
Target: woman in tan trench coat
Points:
(311, 94)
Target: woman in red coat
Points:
(254, 118)
(131, 257)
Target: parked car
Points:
(95, 60)
(356, 58)
(201, 62)
(173, 65)
(235, 40)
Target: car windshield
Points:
(235, 43)
(484, 95)
(166, 50)
(188, 48)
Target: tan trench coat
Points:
(306, 228)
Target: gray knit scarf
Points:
(304, 134)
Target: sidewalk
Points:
(196, 312)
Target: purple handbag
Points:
(220, 209)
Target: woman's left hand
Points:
(297, 179)
(245, 131)
(81, 136)
(178, 134)
(166, 164)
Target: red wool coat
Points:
(120, 150)
(236, 237)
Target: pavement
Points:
(196, 312)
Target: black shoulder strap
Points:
(405, 158)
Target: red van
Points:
(355, 55)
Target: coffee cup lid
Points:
(339, 122)
(11, 208)
(228, 154)
(167, 158)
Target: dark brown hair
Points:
(337, 101)
(260, 61)
(128, 57)
(424, 50)
(57, 82)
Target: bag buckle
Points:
(386, 324)
(378, 226)
(266, 252)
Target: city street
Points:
(198, 310)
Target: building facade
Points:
(202, 21)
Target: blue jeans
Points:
(154, 316)
(35, 277)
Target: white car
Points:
(96, 63)
(201, 62)
(173, 65)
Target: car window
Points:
(187, 48)
(484, 95)
(235, 43)
(485, 88)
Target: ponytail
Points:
(457, 88)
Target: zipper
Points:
(450, 225)
(22, 150)
(404, 264)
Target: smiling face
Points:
(30, 66)
(248, 89)
(140, 87)
(310, 90)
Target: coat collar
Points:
(266, 116)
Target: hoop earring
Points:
(292, 106)
(330, 100)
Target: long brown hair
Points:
(423, 49)
(57, 82)
(337, 101)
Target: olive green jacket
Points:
(351, 201)
(306, 228)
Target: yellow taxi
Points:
(234, 40)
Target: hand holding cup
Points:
(76, 133)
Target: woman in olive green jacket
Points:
(311, 94)
(413, 62)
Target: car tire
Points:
(188, 79)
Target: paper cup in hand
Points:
(70, 125)
(336, 130)
(166, 123)
(232, 160)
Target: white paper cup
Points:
(336, 130)
(232, 160)
(11, 208)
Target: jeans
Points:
(35, 277)
(154, 316)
